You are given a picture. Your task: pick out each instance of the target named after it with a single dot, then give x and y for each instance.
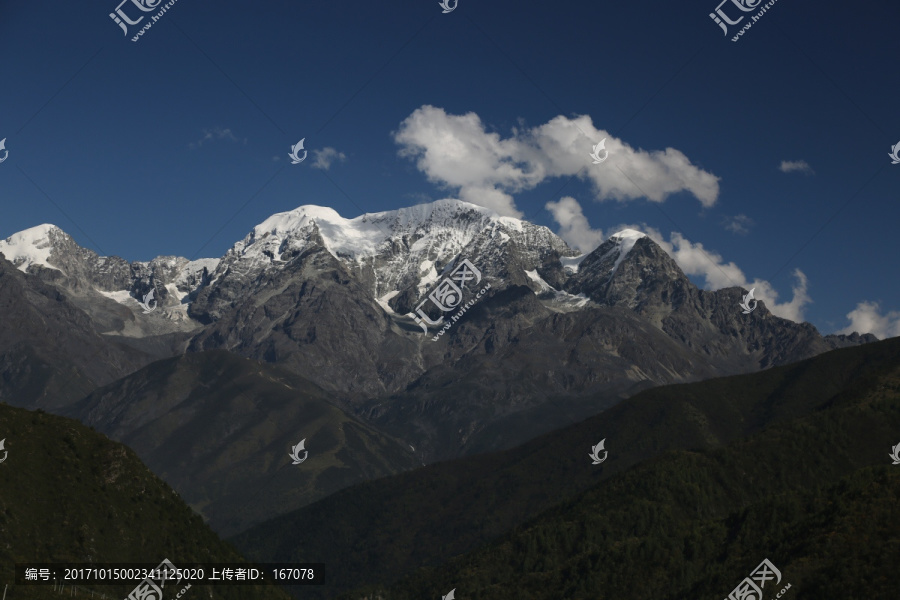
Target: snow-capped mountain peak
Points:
(628, 234)
(31, 246)
(366, 236)
(292, 229)
(396, 255)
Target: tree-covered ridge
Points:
(382, 530)
(816, 495)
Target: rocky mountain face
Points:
(647, 281)
(219, 429)
(528, 334)
(109, 289)
(331, 295)
(50, 353)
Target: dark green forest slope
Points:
(69, 494)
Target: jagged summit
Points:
(624, 241)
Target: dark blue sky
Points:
(178, 143)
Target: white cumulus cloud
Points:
(867, 318)
(573, 225)
(457, 151)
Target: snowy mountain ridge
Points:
(46, 246)
(397, 254)
(391, 247)
(364, 236)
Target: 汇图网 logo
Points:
(121, 18)
(751, 587)
(448, 295)
(721, 18)
(152, 587)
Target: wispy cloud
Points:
(216, 133)
(791, 166)
(867, 318)
(324, 158)
(740, 224)
(458, 152)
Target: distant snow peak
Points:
(31, 246)
(626, 239)
(368, 234)
(292, 229)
